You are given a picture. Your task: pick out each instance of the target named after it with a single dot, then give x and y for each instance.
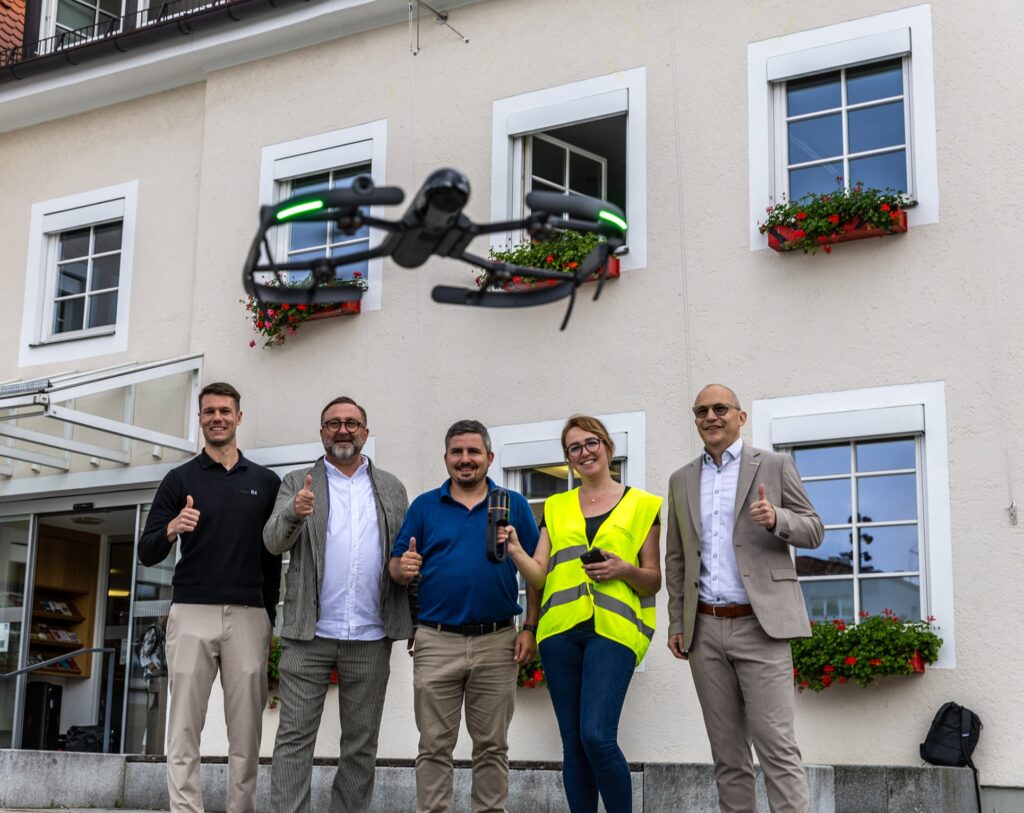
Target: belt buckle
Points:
(714, 611)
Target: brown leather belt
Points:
(725, 610)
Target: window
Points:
(867, 492)
(310, 240)
(844, 128)
(327, 161)
(72, 22)
(79, 275)
(852, 102)
(874, 463)
(584, 138)
(88, 264)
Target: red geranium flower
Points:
(798, 233)
(804, 684)
(252, 342)
(885, 207)
(801, 215)
(838, 622)
(549, 259)
(827, 249)
(875, 661)
(833, 219)
(849, 660)
(538, 675)
(842, 679)
(826, 680)
(828, 669)
(302, 307)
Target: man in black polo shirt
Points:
(226, 586)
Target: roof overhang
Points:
(56, 398)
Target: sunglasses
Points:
(720, 410)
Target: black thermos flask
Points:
(497, 516)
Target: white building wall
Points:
(937, 304)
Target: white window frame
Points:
(575, 103)
(879, 412)
(868, 39)
(48, 219)
(323, 152)
(48, 22)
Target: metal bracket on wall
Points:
(1012, 511)
(440, 17)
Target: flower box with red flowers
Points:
(838, 652)
(279, 321)
(531, 674)
(564, 251)
(816, 222)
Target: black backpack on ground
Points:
(951, 740)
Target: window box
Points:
(281, 321)
(786, 238)
(612, 271)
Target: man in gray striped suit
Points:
(342, 610)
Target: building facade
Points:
(137, 143)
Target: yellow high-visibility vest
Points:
(570, 597)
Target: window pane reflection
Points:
(879, 81)
(888, 548)
(901, 595)
(888, 171)
(831, 499)
(885, 455)
(887, 497)
(814, 139)
(873, 128)
(814, 461)
(829, 599)
(833, 558)
(815, 93)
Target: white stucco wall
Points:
(938, 304)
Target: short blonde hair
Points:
(592, 425)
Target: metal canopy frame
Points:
(55, 397)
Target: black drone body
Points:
(434, 224)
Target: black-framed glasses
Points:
(576, 449)
(336, 424)
(720, 410)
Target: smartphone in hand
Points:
(592, 556)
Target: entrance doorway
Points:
(71, 579)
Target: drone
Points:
(433, 224)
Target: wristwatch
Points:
(530, 628)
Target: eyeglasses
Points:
(335, 424)
(576, 449)
(720, 410)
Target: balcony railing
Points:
(160, 13)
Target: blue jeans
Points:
(588, 676)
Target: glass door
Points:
(146, 707)
(14, 538)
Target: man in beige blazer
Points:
(734, 601)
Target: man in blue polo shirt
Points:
(466, 649)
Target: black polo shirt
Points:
(223, 560)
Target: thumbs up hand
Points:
(185, 522)
(761, 511)
(410, 563)
(304, 498)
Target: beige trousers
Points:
(744, 682)
(449, 670)
(202, 639)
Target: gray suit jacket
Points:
(763, 556)
(306, 539)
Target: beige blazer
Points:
(763, 556)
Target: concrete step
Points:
(38, 780)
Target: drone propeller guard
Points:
(434, 224)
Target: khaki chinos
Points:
(203, 639)
(449, 669)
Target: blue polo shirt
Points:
(459, 584)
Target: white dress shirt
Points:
(353, 562)
(720, 581)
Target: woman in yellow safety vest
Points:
(599, 566)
